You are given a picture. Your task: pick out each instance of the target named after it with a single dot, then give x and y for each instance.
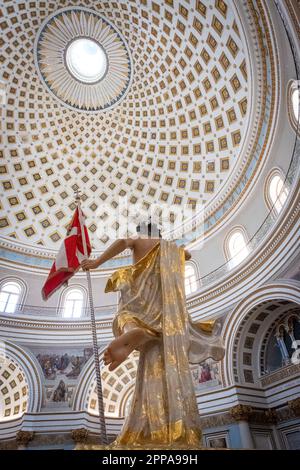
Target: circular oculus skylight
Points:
(83, 59)
(86, 60)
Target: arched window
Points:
(276, 192)
(293, 104)
(236, 248)
(190, 279)
(10, 296)
(73, 304)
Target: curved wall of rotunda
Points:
(190, 117)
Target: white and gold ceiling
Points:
(181, 116)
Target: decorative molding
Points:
(241, 412)
(270, 416)
(52, 41)
(292, 370)
(80, 435)
(294, 405)
(46, 324)
(24, 437)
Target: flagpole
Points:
(95, 342)
(97, 362)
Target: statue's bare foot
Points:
(120, 348)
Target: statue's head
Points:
(148, 228)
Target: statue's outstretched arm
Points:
(114, 249)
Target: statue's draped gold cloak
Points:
(163, 409)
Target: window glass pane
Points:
(273, 188)
(73, 304)
(11, 287)
(75, 295)
(295, 102)
(12, 303)
(189, 270)
(236, 242)
(193, 283)
(3, 301)
(190, 280)
(238, 249)
(68, 309)
(278, 192)
(279, 183)
(9, 297)
(241, 255)
(283, 196)
(278, 205)
(77, 309)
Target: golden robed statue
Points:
(152, 318)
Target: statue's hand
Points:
(88, 264)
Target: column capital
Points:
(241, 412)
(294, 405)
(270, 416)
(79, 435)
(24, 437)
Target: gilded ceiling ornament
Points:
(83, 59)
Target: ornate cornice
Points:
(24, 437)
(294, 405)
(79, 436)
(279, 375)
(241, 412)
(52, 325)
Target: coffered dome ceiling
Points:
(55, 55)
(169, 122)
(13, 390)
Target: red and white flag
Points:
(75, 248)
